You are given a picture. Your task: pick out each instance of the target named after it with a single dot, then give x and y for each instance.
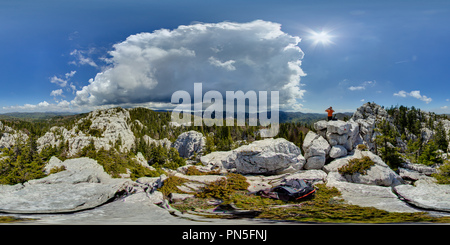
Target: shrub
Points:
(170, 185)
(443, 175)
(357, 165)
(194, 171)
(223, 188)
(55, 170)
(362, 147)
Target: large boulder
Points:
(316, 149)
(378, 174)
(269, 156)
(340, 133)
(426, 195)
(83, 185)
(190, 143)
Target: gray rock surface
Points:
(379, 174)
(316, 149)
(82, 185)
(338, 151)
(426, 195)
(111, 123)
(368, 195)
(269, 156)
(190, 143)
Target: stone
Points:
(83, 185)
(314, 176)
(177, 197)
(190, 143)
(338, 151)
(412, 174)
(315, 162)
(368, 195)
(164, 142)
(338, 127)
(316, 149)
(426, 195)
(142, 161)
(379, 174)
(111, 125)
(220, 159)
(261, 162)
(423, 169)
(269, 156)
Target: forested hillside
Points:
(403, 134)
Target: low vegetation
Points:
(357, 165)
(224, 188)
(325, 207)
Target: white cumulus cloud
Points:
(415, 94)
(226, 56)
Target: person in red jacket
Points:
(330, 113)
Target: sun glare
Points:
(322, 37)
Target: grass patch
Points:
(194, 171)
(325, 207)
(11, 219)
(357, 165)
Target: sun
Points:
(322, 38)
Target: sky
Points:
(79, 55)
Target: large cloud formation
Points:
(226, 56)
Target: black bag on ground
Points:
(299, 189)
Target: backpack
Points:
(298, 189)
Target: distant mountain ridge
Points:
(285, 117)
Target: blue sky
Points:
(388, 52)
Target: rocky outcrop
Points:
(269, 156)
(10, 137)
(83, 185)
(426, 195)
(379, 174)
(316, 150)
(105, 128)
(368, 195)
(190, 143)
(164, 142)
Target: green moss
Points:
(357, 165)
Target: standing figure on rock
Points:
(330, 113)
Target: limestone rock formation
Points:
(190, 143)
(83, 185)
(379, 174)
(105, 128)
(426, 195)
(316, 149)
(269, 156)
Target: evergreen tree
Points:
(429, 155)
(440, 137)
(385, 145)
